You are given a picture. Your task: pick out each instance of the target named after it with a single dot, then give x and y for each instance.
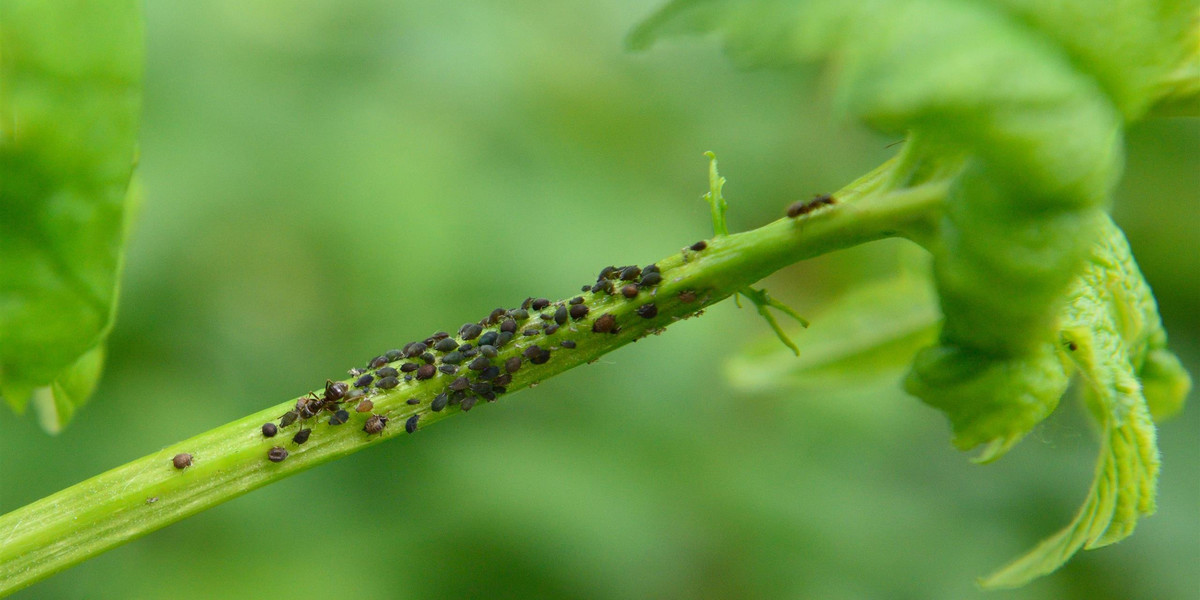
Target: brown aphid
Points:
(607, 323)
(288, 418)
(277, 454)
(425, 372)
(630, 291)
(301, 436)
(495, 316)
(578, 311)
(269, 430)
(387, 372)
(651, 279)
(508, 325)
(576, 300)
(560, 315)
(182, 460)
(364, 406)
(630, 273)
(539, 304)
(459, 384)
(698, 246)
(647, 311)
(377, 362)
(375, 424)
(413, 401)
(513, 364)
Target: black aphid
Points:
(576, 300)
(425, 372)
(560, 315)
(277, 454)
(377, 362)
(502, 380)
(568, 344)
(453, 358)
(448, 369)
(630, 291)
(481, 387)
(364, 406)
(651, 279)
(387, 372)
(650, 268)
(526, 302)
(508, 326)
(409, 367)
(532, 351)
(470, 331)
(479, 364)
(364, 381)
(539, 304)
(439, 402)
(269, 430)
(531, 331)
(519, 314)
(289, 417)
(411, 424)
(606, 272)
(429, 358)
(440, 335)
(335, 390)
(605, 286)
(545, 316)
(459, 384)
(414, 349)
(551, 329)
(375, 424)
(183, 460)
(630, 273)
(504, 338)
(607, 323)
(587, 287)
(489, 373)
(445, 345)
(339, 417)
(578, 311)
(470, 353)
(488, 338)
(513, 364)
(301, 436)
(413, 401)
(387, 383)
(468, 403)
(393, 354)
(465, 348)
(537, 355)
(495, 316)
(698, 246)
(647, 311)
(488, 351)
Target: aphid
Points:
(277, 454)
(453, 358)
(470, 353)
(301, 436)
(605, 286)
(387, 383)
(410, 367)
(687, 296)
(502, 380)
(576, 300)
(413, 401)
(377, 362)
(465, 348)
(630, 273)
(651, 279)
(445, 345)
(182, 460)
(526, 302)
(551, 329)
(647, 311)
(387, 372)
(336, 390)
(578, 311)
(801, 207)
(448, 369)
(470, 331)
(607, 323)
(650, 268)
(630, 291)
(508, 326)
(489, 373)
(519, 314)
(532, 351)
(364, 381)
(512, 364)
(425, 372)
(606, 272)
(289, 417)
(546, 316)
(488, 351)
(537, 355)
(339, 417)
(364, 406)
(393, 354)
(560, 315)
(269, 430)
(414, 349)
(587, 287)
(459, 384)
(429, 358)
(481, 387)
(568, 344)
(479, 364)
(698, 246)
(488, 338)
(439, 402)
(411, 424)
(504, 338)
(495, 316)
(539, 304)
(468, 403)
(531, 331)
(440, 335)
(375, 424)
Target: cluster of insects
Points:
(803, 207)
(478, 363)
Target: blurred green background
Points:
(325, 180)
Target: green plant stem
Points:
(142, 496)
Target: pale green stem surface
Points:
(147, 494)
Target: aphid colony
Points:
(470, 363)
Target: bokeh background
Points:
(327, 179)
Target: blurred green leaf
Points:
(865, 337)
(70, 97)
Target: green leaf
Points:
(70, 96)
(1112, 333)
